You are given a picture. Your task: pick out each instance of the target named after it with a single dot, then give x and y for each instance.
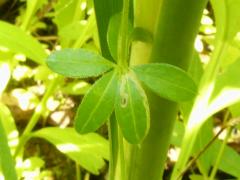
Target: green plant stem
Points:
(78, 172)
(113, 141)
(122, 157)
(123, 36)
(31, 8)
(89, 27)
(37, 113)
(6, 161)
(190, 164)
(87, 176)
(173, 43)
(77, 13)
(220, 154)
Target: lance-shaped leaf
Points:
(227, 18)
(113, 33)
(227, 89)
(97, 105)
(78, 63)
(132, 110)
(167, 81)
(88, 150)
(17, 41)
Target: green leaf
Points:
(167, 81)
(9, 126)
(66, 12)
(177, 134)
(73, 27)
(227, 17)
(97, 105)
(17, 41)
(112, 35)
(78, 63)
(227, 89)
(5, 74)
(76, 88)
(205, 135)
(196, 177)
(230, 160)
(87, 150)
(78, 31)
(104, 10)
(32, 7)
(132, 110)
(196, 68)
(6, 161)
(196, 71)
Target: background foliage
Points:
(37, 106)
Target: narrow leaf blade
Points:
(104, 10)
(167, 81)
(112, 34)
(78, 63)
(132, 110)
(227, 89)
(88, 150)
(97, 105)
(18, 41)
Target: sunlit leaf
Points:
(87, 150)
(227, 17)
(5, 75)
(177, 134)
(104, 10)
(167, 81)
(230, 160)
(66, 11)
(78, 63)
(113, 34)
(97, 105)
(76, 88)
(17, 41)
(196, 177)
(205, 135)
(227, 89)
(32, 7)
(132, 110)
(9, 126)
(6, 161)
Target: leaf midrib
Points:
(98, 103)
(167, 82)
(132, 111)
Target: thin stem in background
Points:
(220, 154)
(78, 172)
(190, 164)
(89, 26)
(122, 156)
(37, 114)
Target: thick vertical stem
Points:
(174, 37)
